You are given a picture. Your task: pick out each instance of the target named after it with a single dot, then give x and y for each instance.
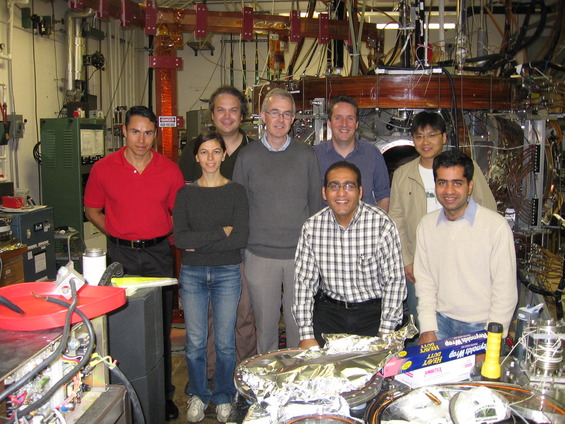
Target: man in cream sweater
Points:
(465, 261)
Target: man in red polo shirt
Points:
(129, 196)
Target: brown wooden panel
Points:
(13, 266)
(403, 91)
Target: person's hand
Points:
(308, 343)
(228, 229)
(427, 337)
(409, 271)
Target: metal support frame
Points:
(320, 118)
(247, 24)
(324, 28)
(201, 21)
(534, 135)
(150, 18)
(130, 13)
(295, 33)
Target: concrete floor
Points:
(180, 379)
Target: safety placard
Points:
(167, 121)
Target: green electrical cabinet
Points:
(69, 148)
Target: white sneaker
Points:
(223, 412)
(196, 409)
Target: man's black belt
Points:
(348, 305)
(137, 244)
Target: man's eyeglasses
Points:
(277, 114)
(345, 186)
(420, 137)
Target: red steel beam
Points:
(231, 23)
(114, 9)
(218, 22)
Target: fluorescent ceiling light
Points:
(394, 25)
(370, 14)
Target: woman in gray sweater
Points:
(211, 225)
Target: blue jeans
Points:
(449, 327)
(221, 286)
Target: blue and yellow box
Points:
(433, 353)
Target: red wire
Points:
(3, 108)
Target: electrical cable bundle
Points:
(47, 361)
(85, 360)
(542, 272)
(518, 167)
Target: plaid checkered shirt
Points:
(353, 264)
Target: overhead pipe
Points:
(441, 36)
(75, 45)
(8, 54)
(482, 36)
(404, 18)
(461, 39)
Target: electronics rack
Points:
(20, 352)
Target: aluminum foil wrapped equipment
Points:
(295, 382)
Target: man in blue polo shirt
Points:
(343, 120)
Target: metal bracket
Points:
(324, 28)
(295, 33)
(247, 24)
(103, 11)
(150, 18)
(126, 14)
(201, 21)
(165, 62)
(76, 4)
(65, 275)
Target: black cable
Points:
(493, 61)
(82, 363)
(137, 410)
(35, 103)
(114, 269)
(37, 152)
(150, 39)
(522, 34)
(521, 43)
(540, 28)
(455, 127)
(393, 54)
(47, 361)
(92, 337)
(136, 403)
(311, 56)
(545, 64)
(122, 68)
(556, 295)
(493, 56)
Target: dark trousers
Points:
(329, 317)
(154, 261)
